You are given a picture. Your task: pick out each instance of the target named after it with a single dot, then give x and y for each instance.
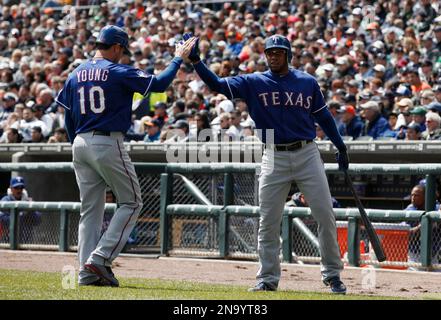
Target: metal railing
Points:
(230, 229)
(64, 209)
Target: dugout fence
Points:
(211, 210)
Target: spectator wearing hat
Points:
(402, 91)
(234, 46)
(413, 132)
(376, 124)
(419, 116)
(344, 68)
(153, 130)
(427, 96)
(27, 219)
(433, 130)
(180, 132)
(351, 123)
(435, 107)
(402, 108)
(334, 107)
(9, 101)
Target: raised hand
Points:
(194, 54)
(183, 49)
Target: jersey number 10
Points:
(96, 106)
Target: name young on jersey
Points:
(285, 99)
(92, 75)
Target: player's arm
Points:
(326, 121)
(63, 100)
(139, 81)
(230, 87)
(161, 82)
(69, 125)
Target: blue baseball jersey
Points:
(99, 95)
(283, 103)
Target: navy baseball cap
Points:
(17, 182)
(435, 106)
(111, 35)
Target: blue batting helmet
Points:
(278, 41)
(114, 35)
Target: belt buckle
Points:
(294, 146)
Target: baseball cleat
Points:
(105, 273)
(96, 283)
(262, 286)
(337, 286)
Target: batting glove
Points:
(194, 54)
(342, 160)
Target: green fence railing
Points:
(64, 209)
(169, 172)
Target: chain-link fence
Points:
(196, 235)
(35, 229)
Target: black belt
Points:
(101, 133)
(289, 146)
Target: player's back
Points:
(99, 95)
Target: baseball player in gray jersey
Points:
(98, 99)
(289, 102)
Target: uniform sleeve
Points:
(139, 81)
(63, 97)
(136, 80)
(232, 87)
(318, 100)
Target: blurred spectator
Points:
(36, 135)
(417, 199)
(391, 53)
(377, 125)
(27, 219)
(180, 132)
(203, 128)
(60, 136)
(433, 130)
(413, 132)
(153, 130)
(351, 125)
(419, 116)
(29, 121)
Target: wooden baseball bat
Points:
(373, 237)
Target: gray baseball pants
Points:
(101, 161)
(279, 169)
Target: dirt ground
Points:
(408, 284)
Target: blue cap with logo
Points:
(17, 182)
(114, 35)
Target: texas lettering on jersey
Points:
(285, 99)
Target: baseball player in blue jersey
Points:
(98, 97)
(288, 102)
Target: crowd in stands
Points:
(378, 63)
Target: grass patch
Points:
(28, 285)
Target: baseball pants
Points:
(101, 161)
(279, 169)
